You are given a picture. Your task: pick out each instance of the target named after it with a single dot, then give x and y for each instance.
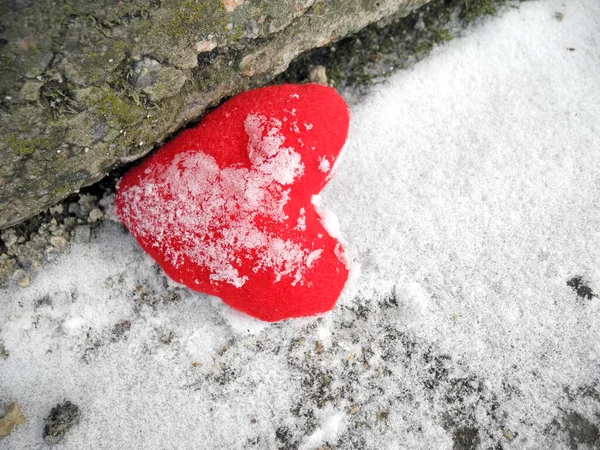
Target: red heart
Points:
(225, 208)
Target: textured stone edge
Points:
(66, 156)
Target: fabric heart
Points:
(225, 208)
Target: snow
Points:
(330, 427)
(223, 227)
(468, 198)
(267, 153)
(324, 165)
(301, 222)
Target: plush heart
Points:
(225, 208)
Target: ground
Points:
(467, 200)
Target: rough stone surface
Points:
(352, 64)
(87, 86)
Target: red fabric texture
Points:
(225, 207)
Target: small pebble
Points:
(318, 74)
(69, 222)
(19, 273)
(95, 215)
(57, 209)
(58, 241)
(9, 237)
(24, 282)
(86, 204)
(74, 208)
(86, 199)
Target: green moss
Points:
(191, 15)
(167, 110)
(24, 147)
(58, 99)
(126, 113)
(65, 189)
(377, 51)
(442, 34)
(424, 48)
(130, 11)
(474, 9)
(207, 80)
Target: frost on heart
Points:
(214, 211)
(225, 207)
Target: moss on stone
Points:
(24, 147)
(126, 113)
(192, 16)
(83, 53)
(475, 9)
(379, 50)
(31, 90)
(443, 34)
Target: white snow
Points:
(327, 432)
(301, 222)
(312, 257)
(267, 153)
(468, 198)
(324, 165)
(223, 227)
(329, 221)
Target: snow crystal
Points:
(324, 165)
(313, 256)
(301, 223)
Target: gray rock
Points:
(58, 241)
(18, 5)
(146, 73)
(74, 208)
(318, 74)
(95, 215)
(107, 84)
(9, 237)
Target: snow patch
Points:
(329, 430)
(301, 223)
(312, 257)
(208, 234)
(324, 164)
